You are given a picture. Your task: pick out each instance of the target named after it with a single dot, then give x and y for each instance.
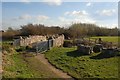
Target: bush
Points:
(30, 54)
(7, 47)
(21, 48)
(28, 47)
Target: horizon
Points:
(103, 14)
(57, 26)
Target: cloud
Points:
(79, 13)
(76, 13)
(42, 18)
(25, 17)
(88, 4)
(77, 17)
(67, 13)
(80, 19)
(108, 25)
(53, 2)
(29, 17)
(22, 17)
(26, 1)
(61, 19)
(105, 12)
(85, 19)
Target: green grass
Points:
(16, 65)
(41, 69)
(67, 59)
(83, 66)
(28, 67)
(108, 38)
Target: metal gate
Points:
(44, 46)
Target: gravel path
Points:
(60, 73)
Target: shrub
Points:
(7, 47)
(21, 48)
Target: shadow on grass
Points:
(75, 54)
(103, 56)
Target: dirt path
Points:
(60, 73)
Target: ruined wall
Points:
(16, 42)
(82, 49)
(58, 40)
(24, 41)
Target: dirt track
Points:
(60, 73)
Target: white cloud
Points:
(79, 13)
(22, 17)
(25, 17)
(53, 2)
(108, 25)
(31, 18)
(77, 17)
(80, 19)
(85, 19)
(76, 13)
(26, 1)
(61, 19)
(42, 18)
(105, 12)
(88, 4)
(67, 13)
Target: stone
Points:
(84, 49)
(97, 48)
(58, 40)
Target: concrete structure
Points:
(58, 40)
(84, 49)
(25, 41)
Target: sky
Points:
(58, 13)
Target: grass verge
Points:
(83, 66)
(17, 65)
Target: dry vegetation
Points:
(77, 30)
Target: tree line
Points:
(75, 30)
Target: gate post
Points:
(48, 44)
(37, 48)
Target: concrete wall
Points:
(58, 40)
(24, 41)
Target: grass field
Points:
(83, 66)
(108, 38)
(17, 68)
(16, 65)
(66, 59)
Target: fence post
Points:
(48, 44)
(36, 48)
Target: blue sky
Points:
(15, 14)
